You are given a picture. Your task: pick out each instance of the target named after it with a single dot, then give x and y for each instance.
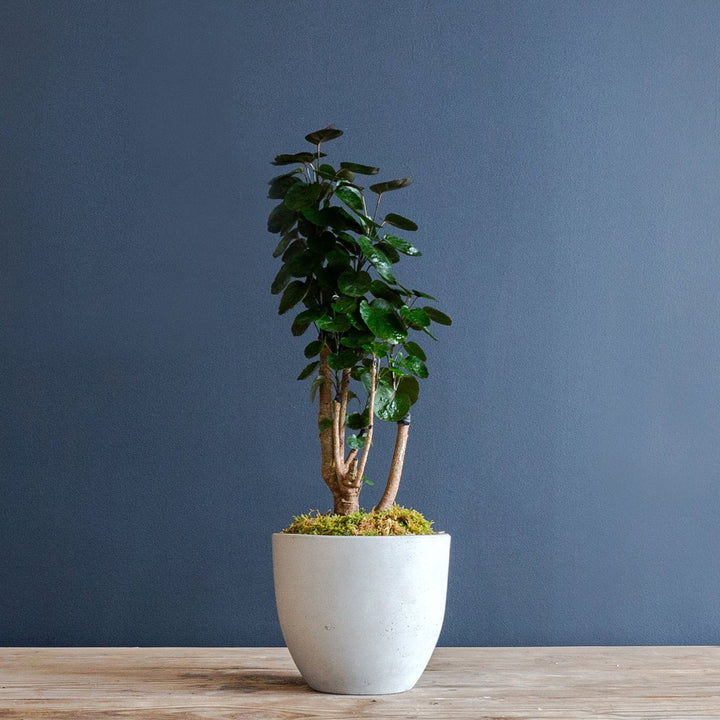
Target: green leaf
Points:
(416, 366)
(352, 197)
(324, 135)
(292, 159)
(344, 305)
(282, 246)
(326, 171)
(436, 316)
(303, 321)
(321, 243)
(360, 169)
(416, 318)
(402, 245)
(343, 359)
(412, 348)
(385, 324)
(358, 421)
(389, 251)
(357, 340)
(411, 387)
(417, 293)
(313, 348)
(308, 370)
(281, 184)
(378, 259)
(356, 442)
(355, 284)
(293, 294)
(281, 280)
(383, 187)
(397, 221)
(281, 219)
(339, 323)
(302, 196)
(390, 405)
(381, 290)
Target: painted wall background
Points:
(566, 166)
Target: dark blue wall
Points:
(566, 159)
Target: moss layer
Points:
(393, 521)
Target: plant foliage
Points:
(339, 275)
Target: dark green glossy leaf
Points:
(402, 245)
(326, 171)
(358, 421)
(339, 323)
(388, 251)
(321, 242)
(303, 320)
(345, 305)
(308, 370)
(354, 283)
(282, 246)
(416, 366)
(304, 265)
(411, 387)
(296, 249)
(381, 290)
(377, 258)
(390, 405)
(436, 316)
(338, 258)
(357, 340)
(384, 187)
(292, 159)
(281, 184)
(281, 219)
(397, 221)
(352, 197)
(312, 349)
(418, 293)
(412, 348)
(343, 359)
(385, 324)
(281, 280)
(293, 294)
(324, 135)
(416, 318)
(360, 169)
(302, 196)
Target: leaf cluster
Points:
(339, 260)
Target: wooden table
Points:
(253, 683)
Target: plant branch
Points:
(371, 411)
(396, 466)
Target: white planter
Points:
(361, 615)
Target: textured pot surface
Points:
(361, 615)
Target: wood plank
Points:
(261, 683)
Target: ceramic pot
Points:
(361, 615)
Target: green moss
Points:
(394, 521)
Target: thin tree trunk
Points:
(396, 466)
(339, 475)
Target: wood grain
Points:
(260, 683)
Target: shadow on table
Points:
(247, 681)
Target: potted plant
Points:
(360, 596)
